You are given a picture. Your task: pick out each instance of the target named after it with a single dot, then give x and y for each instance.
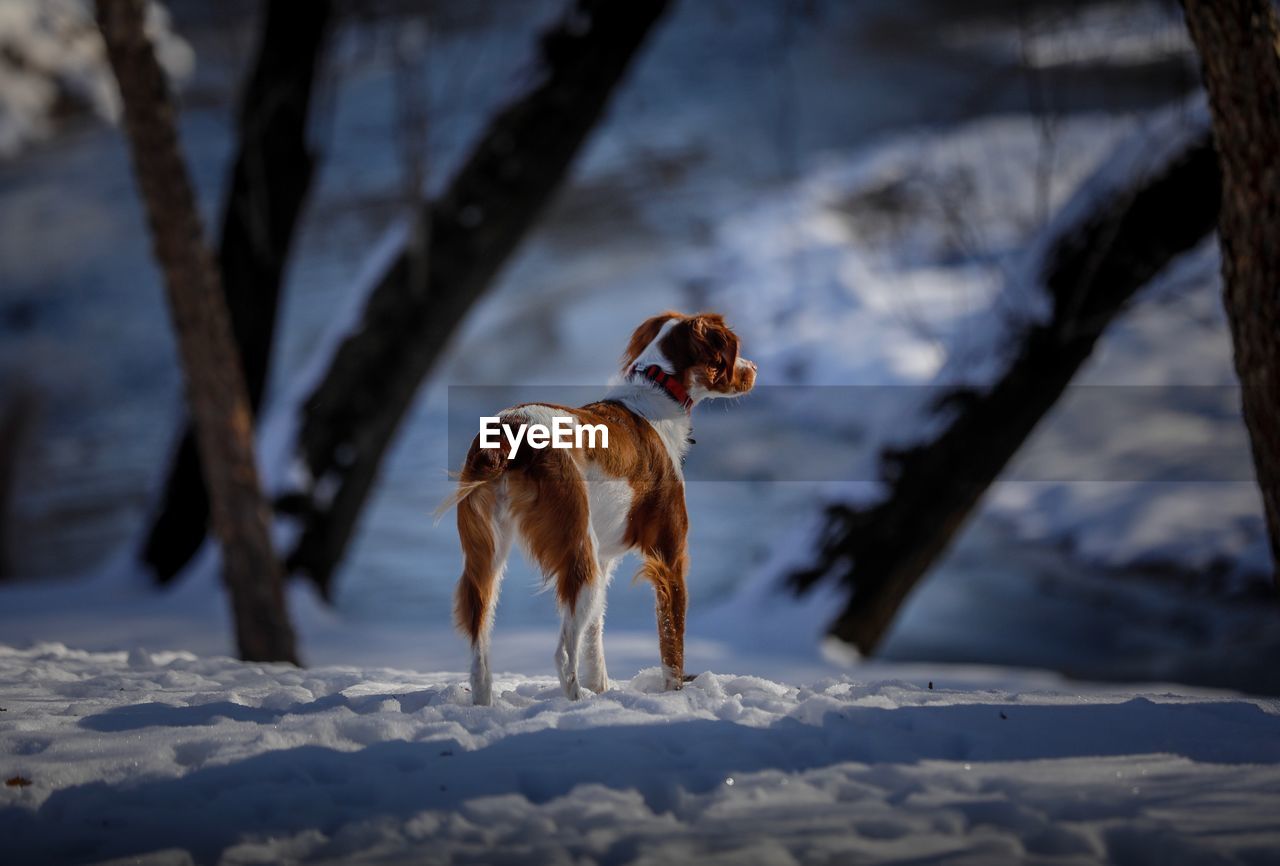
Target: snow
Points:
(50, 51)
(1113, 34)
(174, 758)
(861, 220)
(118, 608)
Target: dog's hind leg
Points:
(485, 527)
(549, 502)
(577, 620)
(595, 676)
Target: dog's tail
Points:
(482, 466)
(476, 499)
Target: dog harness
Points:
(668, 383)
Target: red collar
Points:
(666, 382)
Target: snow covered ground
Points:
(171, 758)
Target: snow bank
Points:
(171, 758)
(1130, 33)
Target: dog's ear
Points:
(643, 336)
(715, 346)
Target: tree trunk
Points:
(214, 382)
(269, 182)
(1090, 274)
(1238, 40)
(16, 418)
(512, 173)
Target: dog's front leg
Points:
(595, 674)
(672, 602)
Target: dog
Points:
(578, 509)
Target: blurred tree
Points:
(1238, 42)
(215, 386)
(1089, 273)
(518, 163)
(268, 186)
(458, 244)
(16, 416)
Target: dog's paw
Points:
(572, 690)
(481, 691)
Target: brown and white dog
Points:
(579, 510)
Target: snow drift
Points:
(170, 758)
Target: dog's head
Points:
(701, 351)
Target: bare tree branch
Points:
(1090, 273)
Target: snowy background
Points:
(855, 185)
